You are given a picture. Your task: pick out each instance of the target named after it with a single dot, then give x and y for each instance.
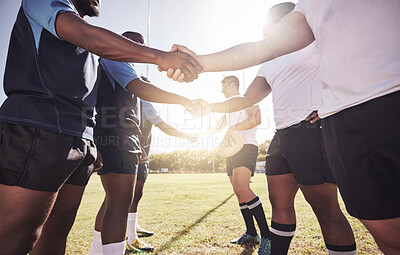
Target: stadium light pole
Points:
(148, 31)
(213, 162)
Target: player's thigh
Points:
(23, 210)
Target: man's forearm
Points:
(112, 46)
(103, 42)
(151, 93)
(235, 58)
(290, 34)
(233, 104)
(169, 130)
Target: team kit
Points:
(75, 106)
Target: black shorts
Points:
(120, 153)
(37, 159)
(299, 150)
(246, 157)
(363, 147)
(143, 172)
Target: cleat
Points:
(265, 246)
(143, 232)
(138, 246)
(246, 239)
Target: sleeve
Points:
(121, 72)
(150, 113)
(262, 72)
(44, 12)
(300, 7)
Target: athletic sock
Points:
(114, 248)
(281, 236)
(341, 249)
(248, 219)
(97, 248)
(132, 227)
(257, 211)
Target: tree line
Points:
(193, 161)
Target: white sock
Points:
(114, 248)
(131, 226)
(97, 248)
(342, 252)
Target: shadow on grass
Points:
(248, 250)
(186, 230)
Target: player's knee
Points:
(280, 203)
(137, 197)
(27, 241)
(120, 202)
(239, 189)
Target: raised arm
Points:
(290, 34)
(72, 28)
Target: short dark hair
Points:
(231, 78)
(134, 36)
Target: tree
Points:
(262, 150)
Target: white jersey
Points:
(234, 118)
(359, 43)
(295, 84)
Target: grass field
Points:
(199, 214)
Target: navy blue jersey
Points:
(149, 117)
(117, 108)
(49, 83)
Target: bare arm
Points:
(290, 34)
(72, 28)
(151, 93)
(253, 119)
(257, 91)
(171, 131)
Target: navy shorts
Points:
(37, 159)
(246, 157)
(143, 172)
(299, 150)
(363, 147)
(120, 153)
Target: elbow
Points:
(255, 122)
(258, 119)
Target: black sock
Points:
(281, 236)
(341, 249)
(248, 219)
(257, 210)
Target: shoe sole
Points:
(248, 243)
(136, 250)
(143, 234)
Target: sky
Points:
(204, 26)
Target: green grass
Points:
(199, 214)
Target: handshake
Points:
(182, 64)
(198, 108)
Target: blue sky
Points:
(204, 26)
